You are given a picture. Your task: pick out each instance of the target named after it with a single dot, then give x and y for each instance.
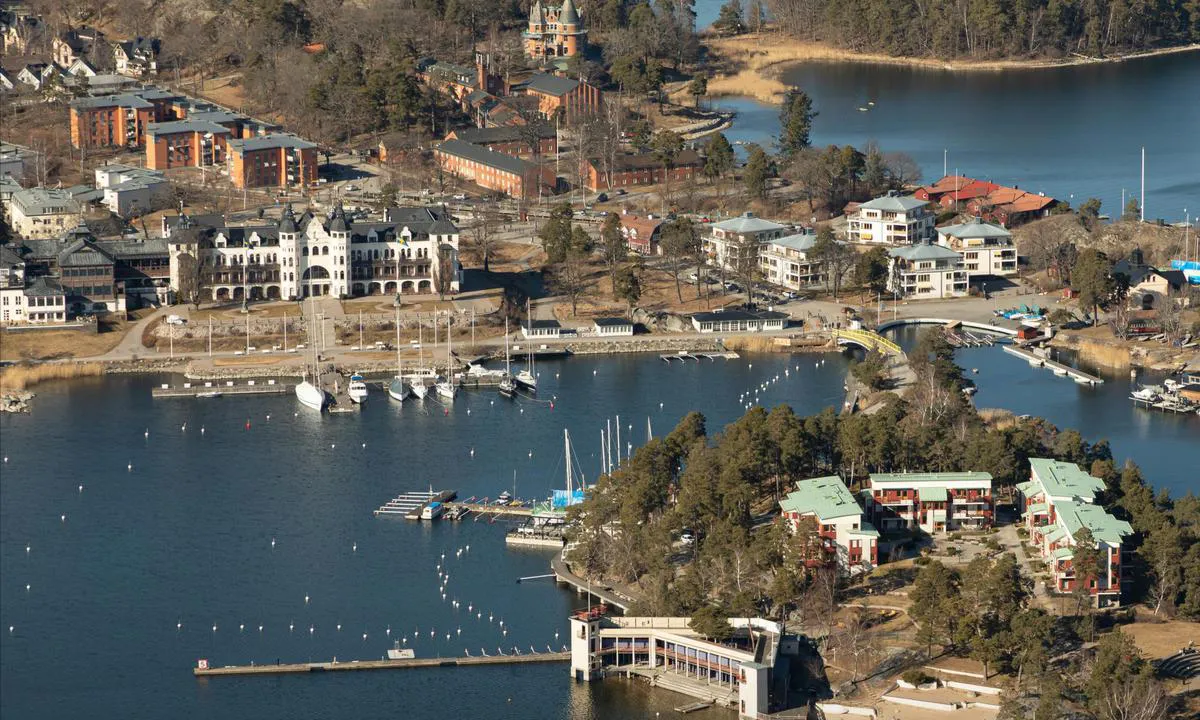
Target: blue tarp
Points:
(562, 499)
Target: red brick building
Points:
(494, 171)
(1008, 206)
(557, 94)
(511, 139)
(278, 160)
(643, 169)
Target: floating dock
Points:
(216, 388)
(481, 508)
(335, 666)
(1167, 404)
(1058, 368)
(684, 356)
(410, 504)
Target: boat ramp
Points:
(1058, 368)
(203, 669)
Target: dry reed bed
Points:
(20, 377)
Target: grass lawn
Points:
(57, 344)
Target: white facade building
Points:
(131, 190)
(785, 261)
(926, 271)
(986, 248)
(408, 252)
(739, 239)
(892, 219)
(39, 213)
(844, 534)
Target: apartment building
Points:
(494, 171)
(559, 95)
(932, 502)
(839, 532)
(1058, 501)
(735, 242)
(186, 143)
(892, 219)
(131, 190)
(120, 120)
(275, 160)
(641, 233)
(785, 261)
(987, 249)
(926, 272)
(37, 301)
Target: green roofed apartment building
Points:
(842, 535)
(1056, 503)
(933, 502)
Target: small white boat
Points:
(432, 511)
(420, 389)
(311, 396)
(1147, 394)
(357, 389)
(528, 379)
(508, 386)
(398, 653)
(446, 389)
(209, 394)
(398, 389)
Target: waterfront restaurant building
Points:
(933, 502)
(843, 536)
(669, 653)
(1056, 503)
(719, 321)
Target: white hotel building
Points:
(303, 256)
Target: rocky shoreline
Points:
(16, 401)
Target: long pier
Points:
(563, 574)
(216, 388)
(335, 666)
(485, 509)
(410, 504)
(1058, 368)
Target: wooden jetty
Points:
(1058, 368)
(213, 388)
(563, 574)
(410, 504)
(335, 666)
(693, 707)
(1172, 404)
(335, 384)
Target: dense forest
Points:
(991, 28)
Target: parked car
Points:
(602, 197)
(460, 197)
(621, 191)
(176, 320)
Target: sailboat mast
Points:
(399, 370)
(567, 455)
(507, 362)
(618, 441)
(649, 432)
(603, 465)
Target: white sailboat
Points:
(528, 376)
(397, 388)
(310, 394)
(420, 388)
(446, 387)
(357, 389)
(508, 386)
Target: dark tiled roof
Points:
(507, 133)
(612, 321)
(185, 126)
(543, 324)
(719, 315)
(483, 156)
(84, 253)
(646, 161)
(44, 287)
(549, 84)
(266, 142)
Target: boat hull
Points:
(311, 396)
(398, 390)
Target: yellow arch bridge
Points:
(867, 340)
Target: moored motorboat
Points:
(357, 389)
